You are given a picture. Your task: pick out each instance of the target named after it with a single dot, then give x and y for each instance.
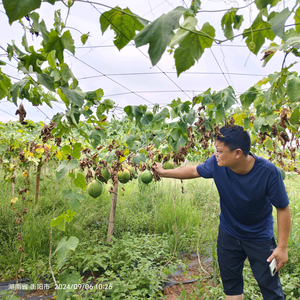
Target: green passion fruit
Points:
(124, 176)
(168, 165)
(95, 188)
(146, 177)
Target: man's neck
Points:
(244, 165)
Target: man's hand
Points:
(281, 257)
(158, 168)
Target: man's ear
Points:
(239, 153)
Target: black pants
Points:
(231, 256)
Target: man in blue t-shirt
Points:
(249, 187)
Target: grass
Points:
(145, 215)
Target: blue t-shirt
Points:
(246, 200)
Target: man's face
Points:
(225, 157)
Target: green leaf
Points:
(76, 152)
(257, 34)
(295, 116)
(297, 19)
(33, 60)
(135, 112)
(249, 96)
(195, 5)
(75, 96)
(269, 145)
(159, 33)
(61, 220)
(130, 140)
(146, 119)
(39, 27)
(293, 88)
(229, 18)
(66, 149)
(17, 88)
(75, 197)
(161, 116)
(63, 247)
(84, 38)
(65, 72)
(111, 156)
(57, 21)
(138, 158)
(263, 3)
(69, 281)
(179, 143)
(278, 22)
(94, 95)
(123, 24)
(16, 9)
(5, 85)
(175, 133)
(190, 117)
(192, 43)
(46, 81)
(55, 42)
(264, 120)
(95, 137)
(64, 167)
(51, 59)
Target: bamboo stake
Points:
(112, 212)
(37, 181)
(12, 184)
(45, 168)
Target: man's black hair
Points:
(235, 137)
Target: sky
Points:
(127, 76)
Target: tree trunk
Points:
(37, 181)
(112, 212)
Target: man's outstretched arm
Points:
(178, 173)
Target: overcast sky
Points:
(127, 76)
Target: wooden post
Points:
(112, 212)
(37, 181)
(12, 185)
(45, 168)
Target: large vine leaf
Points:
(34, 60)
(263, 3)
(124, 24)
(5, 84)
(64, 167)
(293, 88)
(278, 22)
(16, 9)
(159, 33)
(63, 247)
(75, 96)
(249, 96)
(229, 18)
(192, 43)
(55, 42)
(46, 81)
(257, 34)
(74, 197)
